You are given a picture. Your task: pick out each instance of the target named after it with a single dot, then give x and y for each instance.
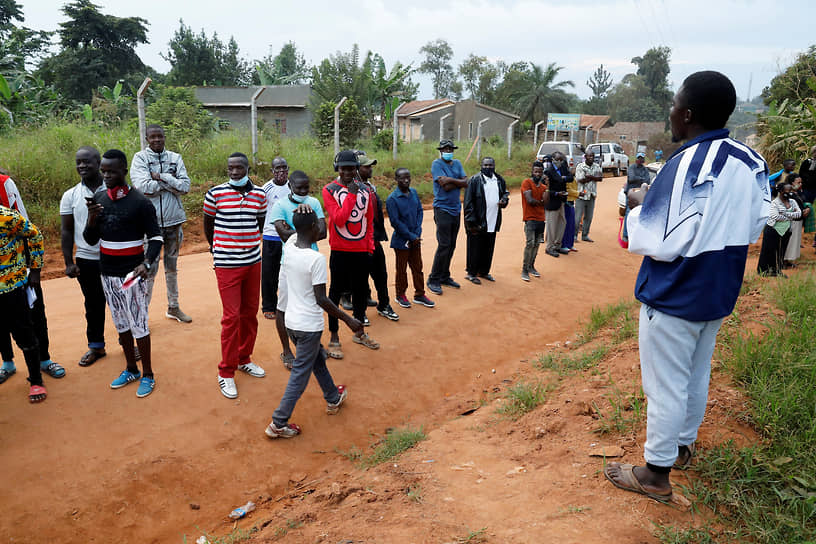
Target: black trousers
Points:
(15, 318)
(773, 249)
(349, 273)
(447, 229)
(379, 273)
(270, 272)
(90, 282)
(40, 324)
(480, 253)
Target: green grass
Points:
(389, 446)
(566, 365)
(41, 161)
(766, 492)
(627, 411)
(473, 537)
(233, 537)
(521, 398)
(613, 315)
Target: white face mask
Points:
(239, 182)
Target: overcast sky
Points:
(743, 39)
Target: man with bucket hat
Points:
(448, 181)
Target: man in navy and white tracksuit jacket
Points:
(693, 227)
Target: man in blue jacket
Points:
(693, 227)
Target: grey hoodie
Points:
(165, 194)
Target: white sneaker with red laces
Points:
(332, 409)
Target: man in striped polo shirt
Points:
(119, 219)
(233, 221)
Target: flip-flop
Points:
(91, 356)
(335, 351)
(36, 391)
(288, 360)
(630, 483)
(687, 463)
(6, 374)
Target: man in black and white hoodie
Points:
(162, 177)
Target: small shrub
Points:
(384, 140)
(521, 398)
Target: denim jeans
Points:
(675, 365)
(310, 358)
(172, 237)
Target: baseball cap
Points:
(640, 155)
(366, 160)
(446, 143)
(347, 158)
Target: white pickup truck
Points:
(610, 156)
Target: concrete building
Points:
(283, 108)
(631, 134)
(419, 120)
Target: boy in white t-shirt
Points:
(306, 274)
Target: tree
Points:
(18, 44)
(438, 55)
(600, 82)
(653, 67)
(533, 92)
(352, 123)
(480, 77)
(96, 49)
(181, 114)
(197, 59)
(288, 67)
(631, 100)
(792, 83)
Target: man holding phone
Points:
(555, 218)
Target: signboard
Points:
(563, 121)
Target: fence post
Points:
(396, 134)
(253, 119)
(479, 137)
(140, 107)
(337, 125)
(535, 135)
(442, 126)
(510, 138)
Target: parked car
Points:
(573, 152)
(610, 156)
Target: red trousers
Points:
(240, 291)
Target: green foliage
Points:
(95, 48)
(522, 398)
(288, 67)
(384, 140)
(653, 67)
(352, 123)
(532, 92)
(626, 412)
(788, 130)
(181, 115)
(792, 83)
(481, 78)
(565, 365)
(437, 56)
(600, 82)
(391, 445)
(631, 100)
(612, 315)
(197, 59)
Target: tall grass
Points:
(41, 161)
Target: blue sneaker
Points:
(146, 386)
(125, 378)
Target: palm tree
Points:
(534, 92)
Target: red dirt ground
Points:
(96, 465)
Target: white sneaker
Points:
(228, 388)
(253, 370)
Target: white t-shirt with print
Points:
(273, 194)
(73, 203)
(303, 269)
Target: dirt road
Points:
(96, 465)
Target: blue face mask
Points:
(447, 156)
(239, 182)
(297, 198)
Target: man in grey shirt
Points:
(160, 174)
(636, 177)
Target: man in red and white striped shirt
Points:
(233, 221)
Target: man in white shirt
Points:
(588, 174)
(275, 189)
(85, 267)
(485, 196)
(306, 275)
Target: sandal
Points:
(288, 360)
(335, 351)
(365, 340)
(683, 462)
(37, 393)
(630, 483)
(91, 356)
(6, 374)
(54, 370)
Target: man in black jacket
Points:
(556, 222)
(485, 196)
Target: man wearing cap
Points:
(636, 177)
(448, 181)
(379, 272)
(350, 212)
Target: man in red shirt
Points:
(350, 212)
(534, 197)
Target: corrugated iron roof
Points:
(419, 105)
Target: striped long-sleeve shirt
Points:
(14, 229)
(236, 238)
(707, 204)
(779, 212)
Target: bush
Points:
(182, 116)
(384, 140)
(352, 123)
